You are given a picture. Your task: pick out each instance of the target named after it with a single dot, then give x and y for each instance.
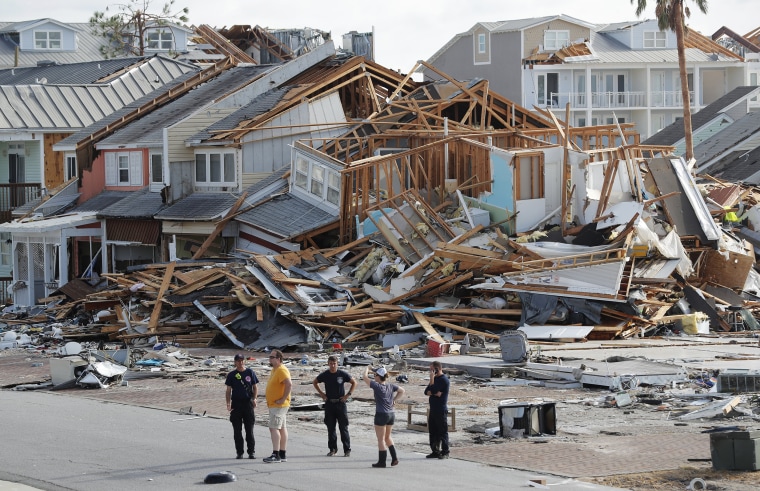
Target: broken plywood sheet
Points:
(730, 272)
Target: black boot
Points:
(382, 456)
(394, 459)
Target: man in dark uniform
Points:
(242, 391)
(438, 425)
(335, 398)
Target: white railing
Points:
(669, 98)
(617, 99)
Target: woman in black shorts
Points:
(385, 398)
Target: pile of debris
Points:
(658, 258)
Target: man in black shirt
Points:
(242, 391)
(335, 398)
(438, 426)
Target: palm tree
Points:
(672, 14)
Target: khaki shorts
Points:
(277, 417)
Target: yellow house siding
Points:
(185, 129)
(534, 36)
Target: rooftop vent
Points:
(47, 63)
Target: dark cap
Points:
(239, 356)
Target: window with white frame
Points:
(215, 168)
(6, 253)
(156, 168)
(655, 39)
(333, 187)
(318, 180)
(124, 168)
(554, 40)
(159, 39)
(302, 173)
(70, 163)
(481, 43)
(47, 40)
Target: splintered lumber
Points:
(481, 320)
(457, 279)
(349, 328)
(168, 274)
(422, 320)
(465, 330)
(209, 276)
(380, 318)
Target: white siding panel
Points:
(111, 179)
(135, 169)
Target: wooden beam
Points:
(219, 227)
(168, 274)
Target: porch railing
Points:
(14, 195)
(671, 98)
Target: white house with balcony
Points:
(626, 70)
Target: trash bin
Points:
(514, 346)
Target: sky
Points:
(405, 30)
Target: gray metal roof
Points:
(256, 107)
(740, 166)
(88, 46)
(101, 201)
(88, 130)
(728, 138)
(78, 73)
(137, 204)
(198, 207)
(609, 50)
(673, 133)
(148, 130)
(287, 216)
(72, 107)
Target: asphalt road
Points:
(54, 442)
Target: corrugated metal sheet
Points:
(143, 231)
(86, 73)
(73, 107)
(287, 216)
(199, 207)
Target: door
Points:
(16, 173)
(547, 89)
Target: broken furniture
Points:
(451, 416)
(66, 369)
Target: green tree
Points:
(125, 32)
(672, 14)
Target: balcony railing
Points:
(619, 99)
(669, 98)
(14, 195)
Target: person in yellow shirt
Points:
(278, 401)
